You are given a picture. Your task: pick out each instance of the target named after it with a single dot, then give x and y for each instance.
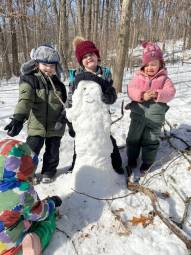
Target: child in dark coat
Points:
(88, 57)
(39, 104)
(27, 224)
(150, 90)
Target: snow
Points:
(102, 226)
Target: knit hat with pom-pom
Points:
(83, 47)
(151, 52)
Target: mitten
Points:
(14, 127)
(57, 200)
(109, 96)
(61, 121)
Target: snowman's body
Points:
(93, 171)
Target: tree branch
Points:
(174, 228)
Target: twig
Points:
(66, 234)
(73, 243)
(122, 114)
(185, 214)
(175, 148)
(161, 172)
(106, 199)
(173, 227)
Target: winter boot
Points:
(144, 168)
(131, 164)
(47, 178)
(119, 170)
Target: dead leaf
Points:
(144, 220)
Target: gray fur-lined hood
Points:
(43, 54)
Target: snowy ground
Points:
(90, 226)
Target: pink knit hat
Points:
(151, 52)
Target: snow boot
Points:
(131, 164)
(46, 178)
(144, 168)
(119, 170)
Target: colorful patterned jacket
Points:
(19, 202)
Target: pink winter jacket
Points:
(160, 83)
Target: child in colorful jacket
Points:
(39, 104)
(88, 57)
(150, 90)
(26, 223)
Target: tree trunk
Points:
(6, 68)
(89, 19)
(73, 19)
(63, 36)
(80, 17)
(15, 60)
(106, 33)
(122, 44)
(96, 18)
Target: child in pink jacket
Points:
(150, 90)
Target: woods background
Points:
(115, 26)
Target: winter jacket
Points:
(19, 202)
(102, 77)
(153, 109)
(39, 104)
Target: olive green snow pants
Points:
(143, 136)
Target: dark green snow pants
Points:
(143, 136)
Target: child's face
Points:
(152, 68)
(90, 62)
(48, 69)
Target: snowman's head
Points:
(90, 91)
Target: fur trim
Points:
(28, 67)
(77, 40)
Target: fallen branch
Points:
(185, 215)
(173, 227)
(122, 114)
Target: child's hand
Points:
(149, 94)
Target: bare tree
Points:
(122, 44)
(6, 68)
(81, 11)
(89, 19)
(15, 59)
(63, 35)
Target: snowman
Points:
(93, 172)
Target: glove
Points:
(57, 200)
(61, 121)
(14, 127)
(109, 96)
(70, 129)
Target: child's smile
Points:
(90, 62)
(152, 68)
